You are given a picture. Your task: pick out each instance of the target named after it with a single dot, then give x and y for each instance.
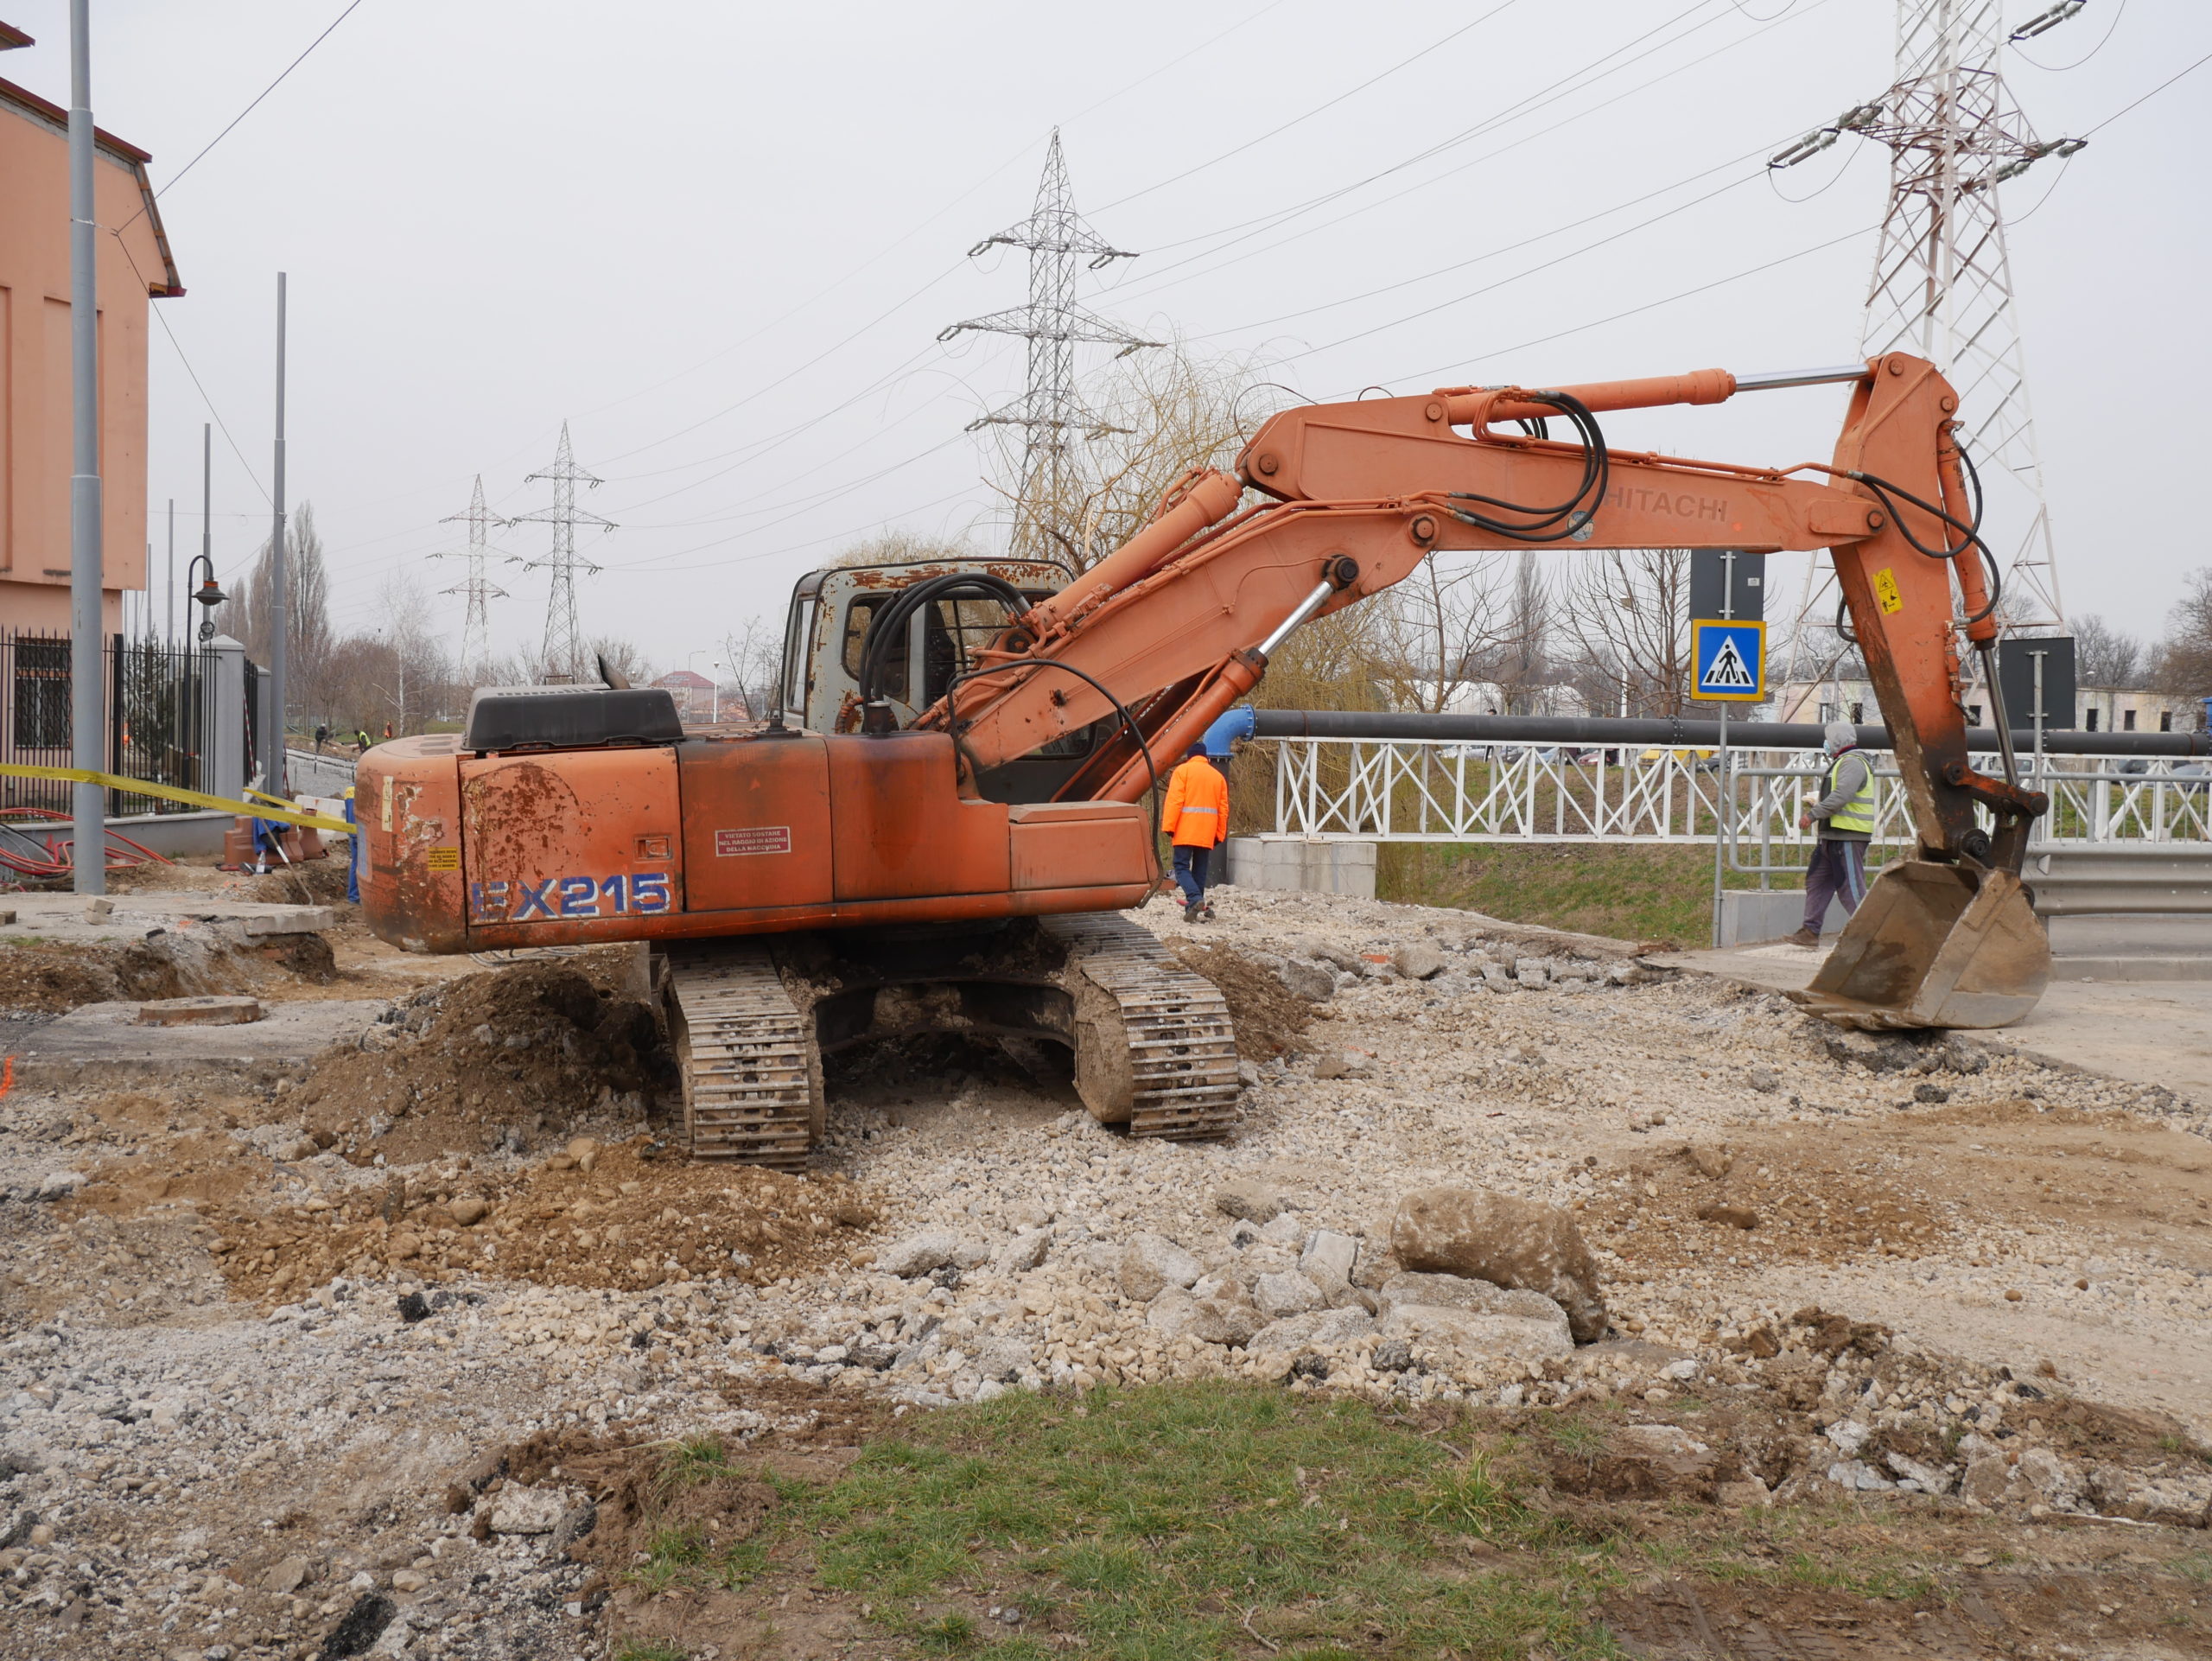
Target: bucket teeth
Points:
(1935, 946)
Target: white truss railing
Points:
(1433, 790)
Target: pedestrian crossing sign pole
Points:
(1730, 659)
(1728, 666)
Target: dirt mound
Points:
(50, 979)
(507, 1058)
(311, 882)
(627, 1216)
(1269, 1016)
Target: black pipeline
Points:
(1573, 732)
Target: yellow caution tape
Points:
(285, 812)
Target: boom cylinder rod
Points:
(1699, 386)
(1306, 607)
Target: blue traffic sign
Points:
(1730, 659)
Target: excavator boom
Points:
(975, 740)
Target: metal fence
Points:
(159, 701)
(1443, 791)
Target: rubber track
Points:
(748, 1084)
(1182, 1043)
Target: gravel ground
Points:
(194, 1468)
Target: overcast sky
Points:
(720, 241)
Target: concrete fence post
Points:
(227, 756)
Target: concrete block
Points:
(199, 1012)
(1302, 864)
(1749, 916)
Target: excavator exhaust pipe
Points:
(1936, 945)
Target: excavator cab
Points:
(833, 617)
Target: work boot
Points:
(1191, 912)
(1804, 937)
(1205, 911)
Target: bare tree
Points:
(2105, 656)
(248, 615)
(901, 547)
(1625, 614)
(1435, 629)
(1164, 413)
(754, 656)
(2184, 660)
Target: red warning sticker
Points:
(753, 839)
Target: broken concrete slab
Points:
(104, 1042)
(66, 919)
(199, 1012)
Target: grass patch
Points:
(631, 1648)
(1178, 1522)
(1628, 891)
(1213, 1520)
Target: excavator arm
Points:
(1167, 632)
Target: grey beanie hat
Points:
(1839, 735)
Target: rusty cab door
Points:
(576, 845)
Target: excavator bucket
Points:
(1936, 945)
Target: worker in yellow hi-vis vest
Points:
(1845, 815)
(1196, 819)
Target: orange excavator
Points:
(936, 827)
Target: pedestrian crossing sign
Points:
(1730, 659)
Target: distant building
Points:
(35, 458)
(696, 696)
(2098, 709)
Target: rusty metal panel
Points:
(1079, 845)
(407, 797)
(756, 823)
(900, 827)
(559, 841)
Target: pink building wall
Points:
(35, 347)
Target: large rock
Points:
(527, 1510)
(1246, 1197)
(1308, 981)
(1287, 1293)
(918, 1254)
(1171, 1313)
(1024, 1252)
(1151, 1263)
(1328, 1261)
(1458, 1341)
(1515, 1243)
(1474, 1297)
(1417, 960)
(1295, 1332)
(1224, 1319)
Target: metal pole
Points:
(201, 742)
(1722, 806)
(88, 821)
(280, 625)
(168, 627)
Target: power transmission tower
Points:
(1942, 280)
(476, 630)
(1048, 411)
(562, 658)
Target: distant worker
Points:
(361, 739)
(387, 731)
(321, 736)
(1196, 818)
(1845, 817)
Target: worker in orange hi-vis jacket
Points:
(1196, 818)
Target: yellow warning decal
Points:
(1885, 590)
(443, 859)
